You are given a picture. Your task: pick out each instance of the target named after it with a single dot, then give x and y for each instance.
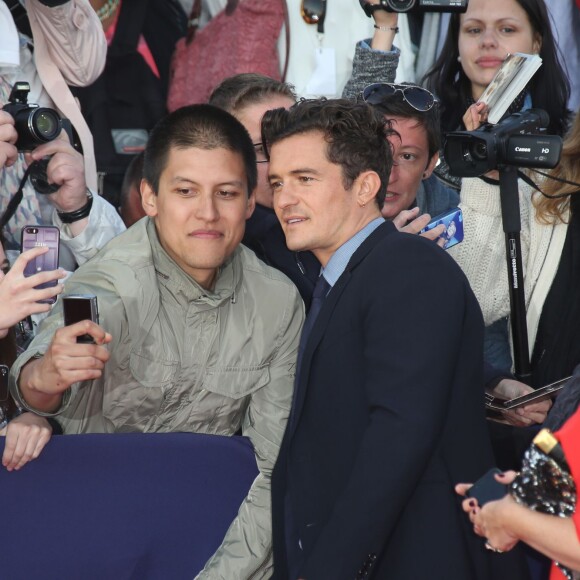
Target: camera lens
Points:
(479, 151)
(401, 5)
(45, 124)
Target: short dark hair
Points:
(356, 135)
(238, 91)
(203, 127)
(396, 106)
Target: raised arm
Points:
(378, 62)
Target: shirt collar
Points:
(340, 259)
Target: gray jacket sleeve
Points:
(103, 225)
(370, 66)
(246, 551)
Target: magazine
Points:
(509, 81)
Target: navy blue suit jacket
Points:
(389, 415)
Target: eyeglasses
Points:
(260, 153)
(418, 97)
(313, 12)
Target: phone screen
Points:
(34, 236)
(453, 222)
(78, 307)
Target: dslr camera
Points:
(414, 6)
(35, 125)
(517, 141)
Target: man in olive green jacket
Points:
(196, 334)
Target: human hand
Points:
(384, 18)
(489, 521)
(475, 116)
(65, 169)
(26, 436)
(8, 137)
(67, 362)
(523, 416)
(18, 295)
(410, 222)
(385, 28)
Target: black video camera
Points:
(517, 141)
(414, 6)
(35, 125)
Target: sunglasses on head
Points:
(313, 12)
(418, 97)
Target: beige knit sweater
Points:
(482, 255)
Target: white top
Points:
(482, 255)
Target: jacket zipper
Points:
(262, 565)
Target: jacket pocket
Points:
(150, 372)
(133, 404)
(236, 382)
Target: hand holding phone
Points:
(541, 394)
(487, 488)
(452, 220)
(79, 307)
(18, 298)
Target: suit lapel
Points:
(326, 312)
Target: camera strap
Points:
(535, 186)
(16, 200)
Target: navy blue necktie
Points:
(320, 291)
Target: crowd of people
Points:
(262, 267)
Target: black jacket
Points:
(388, 417)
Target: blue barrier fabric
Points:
(123, 506)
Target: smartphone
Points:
(78, 307)
(453, 222)
(34, 236)
(4, 383)
(538, 395)
(487, 489)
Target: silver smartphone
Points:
(78, 307)
(538, 395)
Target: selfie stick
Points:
(510, 213)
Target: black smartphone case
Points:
(487, 489)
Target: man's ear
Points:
(251, 205)
(368, 184)
(430, 166)
(148, 199)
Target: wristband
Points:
(395, 29)
(69, 217)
